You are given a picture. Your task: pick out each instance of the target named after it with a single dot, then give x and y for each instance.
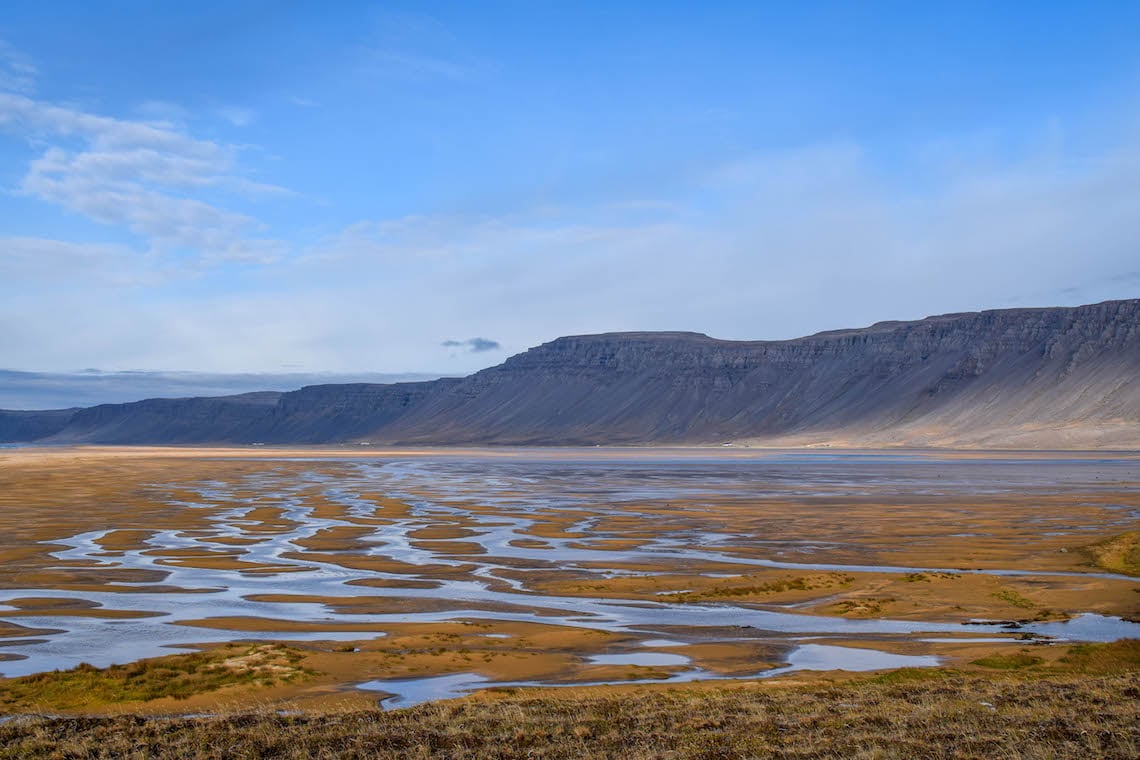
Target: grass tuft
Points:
(1118, 554)
(1008, 661)
(175, 677)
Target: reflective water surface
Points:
(472, 531)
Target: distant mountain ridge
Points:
(52, 390)
(1012, 378)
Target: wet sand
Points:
(557, 567)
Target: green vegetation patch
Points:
(1009, 596)
(863, 606)
(926, 577)
(913, 675)
(1119, 554)
(831, 580)
(1009, 661)
(176, 676)
(1113, 657)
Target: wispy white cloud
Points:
(302, 102)
(163, 112)
(35, 261)
(130, 187)
(17, 72)
(772, 246)
(237, 116)
(416, 67)
(148, 176)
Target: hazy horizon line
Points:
(24, 390)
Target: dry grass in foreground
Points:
(904, 714)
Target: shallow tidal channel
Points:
(695, 564)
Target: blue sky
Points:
(392, 187)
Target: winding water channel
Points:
(498, 502)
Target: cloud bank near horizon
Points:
(64, 390)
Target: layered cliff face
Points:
(961, 375)
(1020, 377)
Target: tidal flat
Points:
(404, 576)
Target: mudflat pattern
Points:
(693, 564)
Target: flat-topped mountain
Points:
(1033, 378)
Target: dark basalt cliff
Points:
(1017, 377)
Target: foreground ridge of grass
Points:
(953, 715)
